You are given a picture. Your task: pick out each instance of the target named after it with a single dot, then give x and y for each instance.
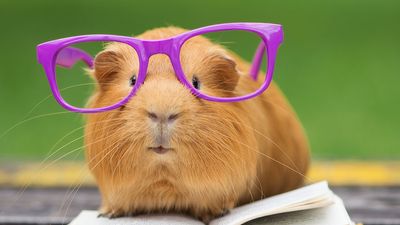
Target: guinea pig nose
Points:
(158, 117)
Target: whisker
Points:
(37, 105)
(265, 155)
(268, 139)
(41, 166)
(29, 119)
(84, 176)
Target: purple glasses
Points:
(64, 59)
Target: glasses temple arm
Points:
(68, 56)
(258, 56)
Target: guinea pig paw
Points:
(224, 212)
(110, 214)
(226, 208)
(206, 217)
(102, 215)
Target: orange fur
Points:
(223, 154)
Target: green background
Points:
(339, 67)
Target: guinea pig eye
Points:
(132, 81)
(195, 82)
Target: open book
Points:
(310, 205)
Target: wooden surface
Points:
(369, 205)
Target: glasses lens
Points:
(96, 74)
(217, 64)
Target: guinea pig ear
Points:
(225, 73)
(106, 65)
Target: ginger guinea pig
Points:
(167, 150)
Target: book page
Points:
(311, 196)
(90, 218)
(305, 198)
(334, 214)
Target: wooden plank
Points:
(372, 205)
(44, 205)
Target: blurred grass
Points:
(339, 66)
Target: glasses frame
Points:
(58, 52)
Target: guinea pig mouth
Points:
(160, 149)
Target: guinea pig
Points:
(167, 150)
